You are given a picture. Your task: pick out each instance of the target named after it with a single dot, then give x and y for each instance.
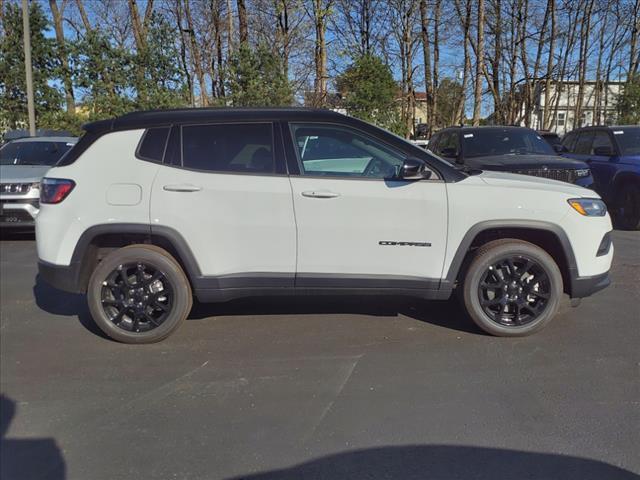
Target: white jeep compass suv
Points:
(151, 208)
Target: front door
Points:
(357, 225)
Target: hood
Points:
(523, 162)
(514, 180)
(22, 173)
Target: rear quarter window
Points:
(153, 144)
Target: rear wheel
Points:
(628, 214)
(512, 288)
(139, 294)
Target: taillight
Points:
(55, 190)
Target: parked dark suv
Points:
(613, 154)
(511, 149)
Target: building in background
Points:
(598, 106)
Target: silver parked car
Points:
(23, 163)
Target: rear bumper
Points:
(62, 277)
(586, 286)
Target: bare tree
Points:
(67, 81)
(242, 22)
(477, 94)
(319, 12)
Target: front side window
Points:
(448, 146)
(240, 148)
(583, 145)
(601, 140)
(569, 141)
(331, 150)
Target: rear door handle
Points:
(182, 188)
(320, 194)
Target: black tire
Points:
(161, 282)
(628, 211)
(499, 307)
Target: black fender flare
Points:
(457, 262)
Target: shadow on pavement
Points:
(447, 314)
(447, 462)
(26, 459)
(57, 302)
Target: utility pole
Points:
(27, 67)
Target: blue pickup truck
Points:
(613, 155)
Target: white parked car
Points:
(153, 207)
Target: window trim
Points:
(164, 150)
(298, 160)
(271, 124)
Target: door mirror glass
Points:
(559, 148)
(413, 169)
(603, 151)
(449, 152)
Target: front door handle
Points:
(320, 194)
(182, 188)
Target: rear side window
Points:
(153, 144)
(241, 148)
(583, 145)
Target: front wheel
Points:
(139, 294)
(512, 288)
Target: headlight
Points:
(589, 207)
(583, 172)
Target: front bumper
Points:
(17, 212)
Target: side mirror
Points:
(413, 169)
(559, 148)
(449, 152)
(603, 151)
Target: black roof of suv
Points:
(505, 148)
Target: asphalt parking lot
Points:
(319, 388)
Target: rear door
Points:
(224, 189)
(357, 226)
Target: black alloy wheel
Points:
(137, 297)
(514, 291)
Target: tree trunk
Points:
(466, 26)
(183, 51)
(477, 94)
(242, 22)
(66, 71)
(585, 27)
(196, 55)
(217, 25)
(550, 63)
(426, 53)
(436, 65)
(320, 11)
(634, 55)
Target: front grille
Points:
(561, 174)
(14, 188)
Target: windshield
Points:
(512, 141)
(628, 139)
(33, 153)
